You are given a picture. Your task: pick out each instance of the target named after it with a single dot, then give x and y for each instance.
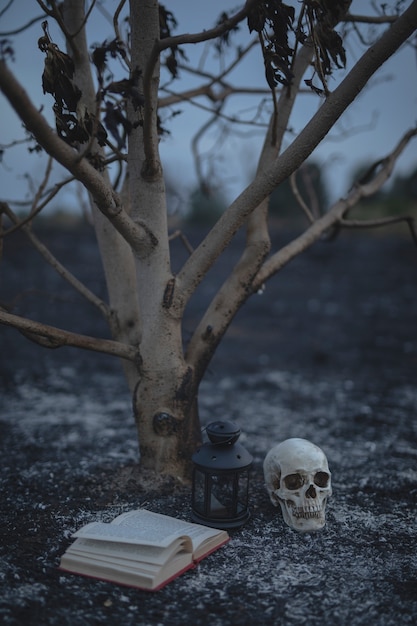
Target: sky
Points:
(368, 130)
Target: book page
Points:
(142, 527)
(157, 525)
(128, 565)
(142, 576)
(137, 535)
(128, 551)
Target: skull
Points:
(297, 478)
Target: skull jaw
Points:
(299, 518)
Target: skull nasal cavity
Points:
(311, 492)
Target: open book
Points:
(140, 549)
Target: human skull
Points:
(297, 478)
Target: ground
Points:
(327, 352)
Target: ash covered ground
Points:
(327, 352)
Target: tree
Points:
(96, 112)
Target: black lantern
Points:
(221, 479)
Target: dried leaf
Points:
(317, 90)
(274, 20)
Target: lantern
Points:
(220, 488)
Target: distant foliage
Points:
(396, 198)
(205, 207)
(405, 187)
(311, 187)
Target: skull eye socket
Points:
(293, 481)
(321, 479)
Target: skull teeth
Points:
(307, 512)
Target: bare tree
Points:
(95, 114)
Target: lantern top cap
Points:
(223, 433)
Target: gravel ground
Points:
(328, 352)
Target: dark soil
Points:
(327, 352)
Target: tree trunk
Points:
(166, 412)
(116, 254)
(165, 399)
(139, 278)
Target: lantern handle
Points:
(222, 433)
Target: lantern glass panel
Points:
(242, 496)
(199, 491)
(222, 495)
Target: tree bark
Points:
(165, 398)
(116, 254)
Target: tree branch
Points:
(213, 96)
(308, 139)
(382, 170)
(237, 287)
(370, 19)
(212, 79)
(383, 221)
(105, 198)
(151, 152)
(52, 337)
(335, 216)
(205, 35)
(235, 290)
(58, 267)
(299, 198)
(35, 210)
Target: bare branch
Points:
(179, 234)
(335, 216)
(213, 96)
(116, 22)
(381, 171)
(383, 221)
(32, 214)
(35, 210)
(41, 188)
(222, 309)
(21, 29)
(301, 148)
(216, 97)
(58, 267)
(213, 79)
(6, 8)
(194, 147)
(56, 13)
(150, 146)
(52, 337)
(205, 35)
(370, 19)
(299, 198)
(105, 198)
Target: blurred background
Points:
(227, 151)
